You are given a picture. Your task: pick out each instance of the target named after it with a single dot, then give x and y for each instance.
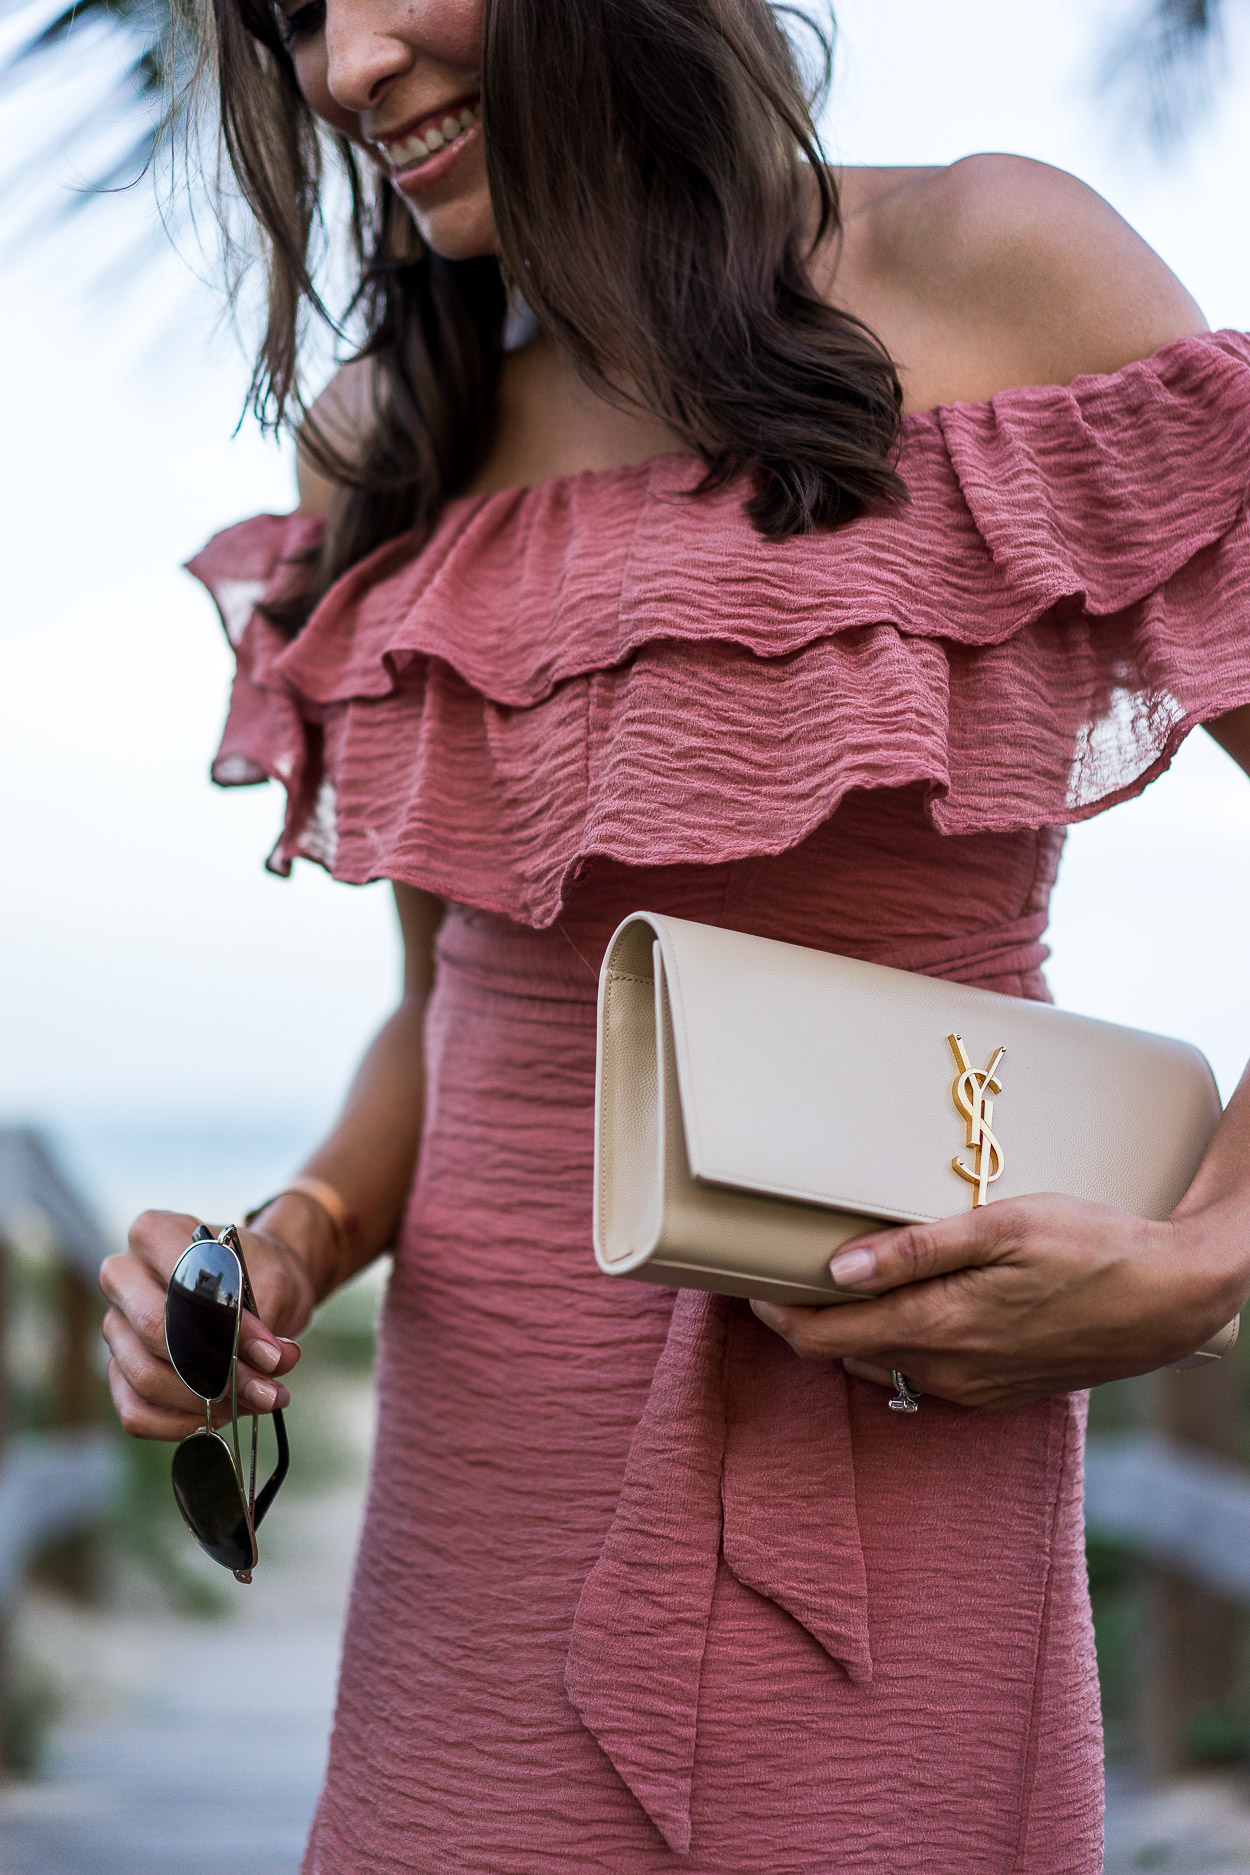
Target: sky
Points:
(182, 1021)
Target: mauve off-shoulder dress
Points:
(639, 1591)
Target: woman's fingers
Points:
(1026, 1297)
(879, 1331)
(865, 1370)
(259, 1393)
(140, 1418)
(920, 1286)
(150, 1378)
(136, 1283)
(151, 1400)
(159, 1238)
(271, 1354)
(904, 1331)
(136, 1294)
(914, 1298)
(155, 1380)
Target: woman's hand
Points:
(1025, 1297)
(151, 1401)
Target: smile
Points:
(429, 137)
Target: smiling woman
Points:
(784, 549)
(705, 329)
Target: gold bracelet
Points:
(328, 1201)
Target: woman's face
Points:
(402, 79)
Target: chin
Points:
(455, 216)
(458, 236)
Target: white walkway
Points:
(196, 1748)
(214, 1773)
(190, 1747)
(1199, 1827)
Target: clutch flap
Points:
(814, 1077)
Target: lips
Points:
(423, 140)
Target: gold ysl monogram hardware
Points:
(972, 1090)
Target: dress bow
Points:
(743, 1452)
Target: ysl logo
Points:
(972, 1090)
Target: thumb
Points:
(915, 1253)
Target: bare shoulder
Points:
(998, 271)
(336, 420)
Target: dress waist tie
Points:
(743, 1451)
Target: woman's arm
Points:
(292, 1251)
(1232, 732)
(1033, 1296)
(370, 1155)
(1041, 1295)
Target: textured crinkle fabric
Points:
(603, 666)
(638, 1590)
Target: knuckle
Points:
(143, 1377)
(966, 1390)
(149, 1324)
(1012, 1227)
(806, 1342)
(111, 1273)
(918, 1250)
(153, 1231)
(908, 1326)
(125, 1405)
(144, 1229)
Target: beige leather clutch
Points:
(758, 1103)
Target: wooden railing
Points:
(57, 1479)
(1170, 1490)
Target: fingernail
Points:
(261, 1393)
(768, 1313)
(853, 1268)
(262, 1354)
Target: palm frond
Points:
(1164, 64)
(145, 52)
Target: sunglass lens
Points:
(210, 1498)
(201, 1311)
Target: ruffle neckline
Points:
(601, 665)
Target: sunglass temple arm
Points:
(257, 1506)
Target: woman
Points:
(821, 550)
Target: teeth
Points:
(415, 149)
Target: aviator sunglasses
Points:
(203, 1308)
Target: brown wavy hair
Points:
(648, 164)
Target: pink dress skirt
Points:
(638, 1590)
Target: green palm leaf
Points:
(1165, 63)
(141, 94)
(1162, 63)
